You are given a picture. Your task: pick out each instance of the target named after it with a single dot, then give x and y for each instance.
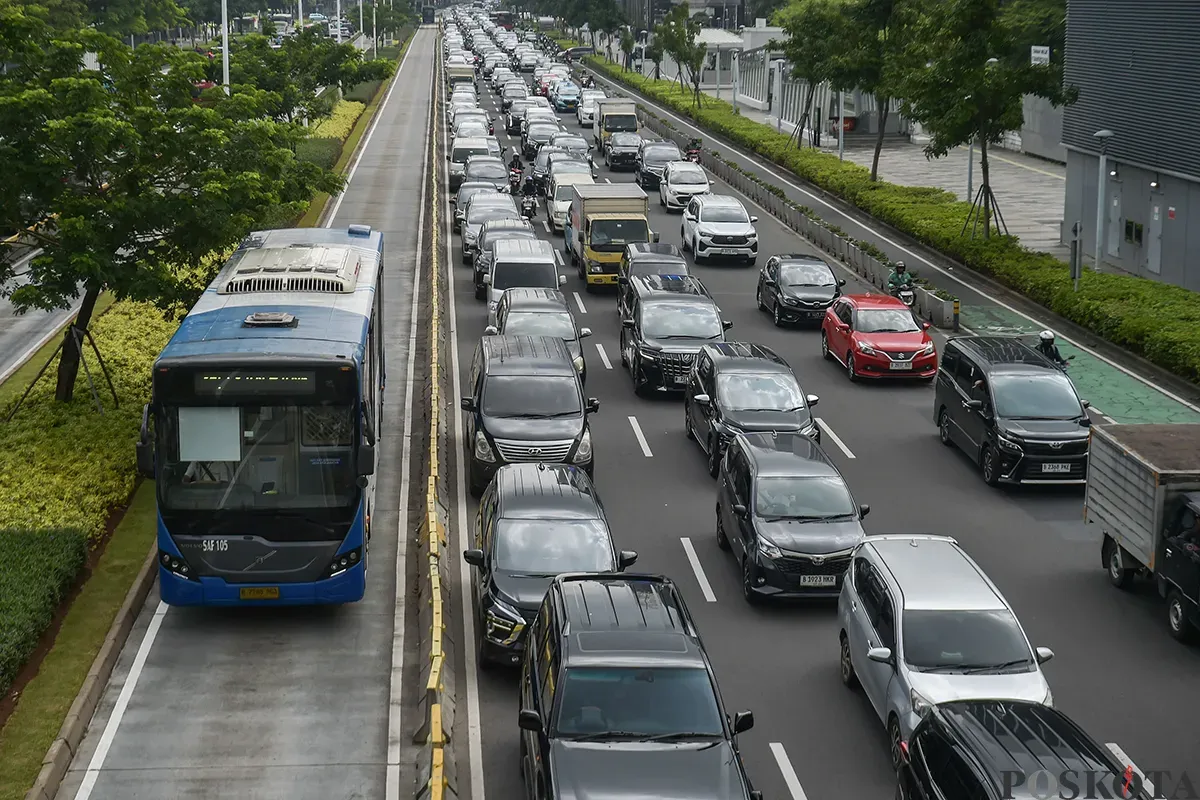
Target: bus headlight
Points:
(176, 565)
(483, 450)
(583, 453)
(343, 562)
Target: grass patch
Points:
(46, 699)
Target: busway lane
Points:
(283, 704)
(782, 662)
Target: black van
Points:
(525, 404)
(1012, 411)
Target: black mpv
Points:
(797, 289)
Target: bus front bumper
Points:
(346, 587)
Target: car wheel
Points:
(895, 739)
(722, 539)
(944, 427)
(714, 456)
(481, 653)
(758, 296)
(748, 593)
(846, 663)
(481, 293)
(687, 423)
(662, 201)
(825, 354)
(851, 370)
(776, 317)
(1177, 617)
(990, 464)
(696, 253)
(1118, 575)
(751, 261)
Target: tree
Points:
(654, 53)
(117, 17)
(1038, 22)
(678, 35)
(964, 75)
(815, 29)
(390, 19)
(143, 182)
(628, 43)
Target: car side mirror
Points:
(593, 405)
(491, 330)
(880, 655)
(926, 325)
(739, 509)
(1043, 654)
(841, 281)
(626, 323)
(467, 404)
(812, 399)
(626, 559)
(454, 201)
(623, 281)
(702, 399)
(487, 280)
(585, 333)
(726, 324)
(579, 236)
(972, 405)
(756, 795)
(863, 510)
(473, 557)
(529, 720)
(742, 722)
(1085, 403)
(768, 281)
(562, 280)
(1086, 422)
(753, 220)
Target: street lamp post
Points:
(361, 26)
(1101, 187)
(339, 21)
(225, 45)
(374, 29)
(841, 124)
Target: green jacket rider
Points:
(900, 276)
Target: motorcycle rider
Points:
(515, 164)
(900, 278)
(1049, 349)
(529, 188)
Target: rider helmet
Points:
(900, 266)
(1047, 337)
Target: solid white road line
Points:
(466, 601)
(1116, 750)
(818, 200)
(114, 720)
(546, 225)
(579, 302)
(701, 578)
(828, 431)
(603, 356)
(608, 180)
(637, 431)
(396, 728)
(789, 774)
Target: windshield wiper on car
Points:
(555, 414)
(681, 736)
(600, 736)
(971, 669)
(533, 574)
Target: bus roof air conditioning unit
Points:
(300, 268)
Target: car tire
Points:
(748, 593)
(662, 201)
(714, 456)
(1118, 575)
(481, 293)
(1178, 623)
(851, 370)
(722, 537)
(758, 297)
(776, 318)
(750, 262)
(846, 663)
(944, 428)
(696, 254)
(895, 739)
(825, 354)
(481, 654)
(989, 465)
(687, 423)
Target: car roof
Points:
(626, 619)
(476, 186)
(871, 300)
(686, 166)
(717, 199)
(536, 299)
(469, 141)
(801, 258)
(1004, 352)
(546, 491)
(786, 455)
(527, 355)
(959, 584)
(489, 158)
(670, 287)
(525, 248)
(746, 357)
(651, 251)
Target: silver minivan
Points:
(520, 263)
(921, 624)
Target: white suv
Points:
(718, 225)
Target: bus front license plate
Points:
(259, 593)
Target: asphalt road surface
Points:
(287, 704)
(1116, 670)
(22, 334)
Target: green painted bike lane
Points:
(1111, 392)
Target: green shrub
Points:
(37, 569)
(322, 151)
(63, 465)
(1154, 320)
(339, 123)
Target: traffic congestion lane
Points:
(1030, 542)
(284, 703)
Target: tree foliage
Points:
(679, 35)
(116, 17)
(143, 183)
(815, 30)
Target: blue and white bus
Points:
(261, 429)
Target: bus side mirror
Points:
(366, 459)
(145, 446)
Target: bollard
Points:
(956, 310)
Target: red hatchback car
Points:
(877, 336)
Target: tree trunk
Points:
(804, 115)
(884, 104)
(68, 364)
(986, 188)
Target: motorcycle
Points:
(528, 207)
(693, 152)
(514, 180)
(904, 293)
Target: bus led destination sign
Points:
(251, 383)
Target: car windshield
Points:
(541, 133)
(467, 192)
(724, 214)
(626, 140)
(568, 91)
(531, 396)
(559, 324)
(572, 143)
(490, 237)
(513, 275)
(661, 155)
(645, 267)
(480, 213)
(952, 641)
(885, 320)
(613, 234)
(461, 154)
(543, 547)
(807, 275)
(488, 169)
(1039, 396)
(620, 122)
(471, 128)
(676, 321)
(807, 498)
(772, 391)
(688, 177)
(630, 702)
(515, 90)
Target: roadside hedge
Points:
(325, 139)
(36, 572)
(1154, 320)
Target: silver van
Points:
(921, 624)
(461, 149)
(520, 263)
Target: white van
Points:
(559, 196)
(521, 263)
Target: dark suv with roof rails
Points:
(669, 320)
(644, 259)
(993, 749)
(1012, 411)
(619, 699)
(742, 387)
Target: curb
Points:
(79, 716)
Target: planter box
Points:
(933, 308)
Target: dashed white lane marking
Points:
(546, 225)
(603, 356)
(701, 578)
(558, 257)
(579, 302)
(789, 773)
(1116, 750)
(637, 431)
(828, 431)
